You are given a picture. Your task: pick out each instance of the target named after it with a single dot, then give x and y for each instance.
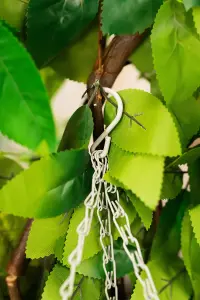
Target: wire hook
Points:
(105, 134)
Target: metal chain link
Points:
(100, 198)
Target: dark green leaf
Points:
(9, 169)
(172, 184)
(128, 17)
(188, 157)
(78, 130)
(54, 25)
(167, 239)
(25, 114)
(191, 3)
(73, 62)
(93, 267)
(51, 186)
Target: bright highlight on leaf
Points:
(155, 119)
(53, 26)
(50, 187)
(176, 52)
(25, 114)
(128, 17)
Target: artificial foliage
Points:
(44, 42)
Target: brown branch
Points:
(114, 60)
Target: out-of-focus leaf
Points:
(53, 26)
(8, 169)
(52, 80)
(191, 3)
(25, 114)
(172, 184)
(13, 12)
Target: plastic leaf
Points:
(163, 271)
(53, 26)
(191, 254)
(172, 185)
(92, 243)
(191, 3)
(128, 168)
(78, 130)
(44, 233)
(196, 17)
(93, 266)
(167, 239)
(143, 211)
(128, 17)
(73, 62)
(176, 52)
(47, 188)
(155, 117)
(24, 105)
(83, 286)
(142, 57)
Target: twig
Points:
(171, 281)
(77, 288)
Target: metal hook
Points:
(105, 134)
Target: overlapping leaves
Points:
(49, 187)
(128, 17)
(24, 106)
(51, 27)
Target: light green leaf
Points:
(85, 286)
(73, 62)
(167, 239)
(93, 267)
(128, 168)
(51, 186)
(53, 26)
(52, 80)
(176, 52)
(13, 12)
(162, 271)
(8, 169)
(195, 217)
(78, 130)
(133, 138)
(196, 17)
(43, 236)
(172, 185)
(191, 3)
(25, 114)
(191, 254)
(142, 57)
(187, 117)
(143, 211)
(92, 243)
(128, 17)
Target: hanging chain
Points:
(100, 198)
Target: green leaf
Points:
(191, 3)
(44, 233)
(155, 117)
(13, 12)
(142, 57)
(191, 254)
(128, 17)
(172, 185)
(188, 157)
(73, 62)
(92, 243)
(25, 114)
(196, 17)
(51, 186)
(163, 271)
(93, 267)
(176, 52)
(9, 169)
(187, 116)
(195, 217)
(78, 130)
(143, 211)
(128, 169)
(167, 239)
(85, 286)
(53, 26)
(52, 80)
(194, 175)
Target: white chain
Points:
(100, 198)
